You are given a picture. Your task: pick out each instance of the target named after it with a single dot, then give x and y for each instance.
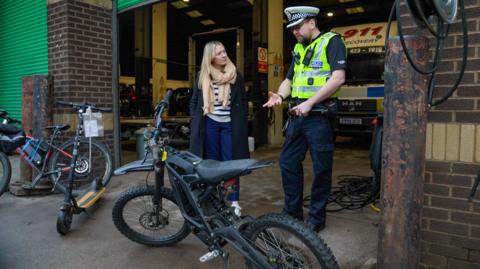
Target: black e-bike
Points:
(155, 215)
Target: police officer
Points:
(316, 73)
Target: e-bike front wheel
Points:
(137, 216)
(5, 172)
(288, 243)
(93, 160)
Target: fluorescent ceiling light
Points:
(330, 14)
(179, 4)
(207, 22)
(194, 13)
(354, 10)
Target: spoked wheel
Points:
(94, 160)
(64, 220)
(5, 172)
(288, 243)
(136, 216)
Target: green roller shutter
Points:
(124, 4)
(23, 48)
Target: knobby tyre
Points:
(288, 243)
(5, 172)
(136, 217)
(92, 162)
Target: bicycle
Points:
(155, 215)
(80, 168)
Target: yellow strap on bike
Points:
(164, 155)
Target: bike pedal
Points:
(209, 256)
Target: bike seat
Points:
(212, 171)
(59, 127)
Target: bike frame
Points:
(180, 185)
(51, 148)
(181, 189)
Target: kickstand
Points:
(88, 214)
(226, 260)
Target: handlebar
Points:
(83, 106)
(158, 114)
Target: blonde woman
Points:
(219, 128)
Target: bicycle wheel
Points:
(136, 217)
(288, 243)
(92, 161)
(5, 172)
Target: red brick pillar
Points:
(80, 57)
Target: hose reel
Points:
(442, 13)
(444, 9)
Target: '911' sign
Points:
(365, 35)
(362, 32)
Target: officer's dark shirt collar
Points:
(319, 35)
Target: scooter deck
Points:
(90, 197)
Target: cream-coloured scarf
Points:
(223, 80)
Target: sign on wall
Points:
(262, 60)
(365, 35)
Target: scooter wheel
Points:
(64, 221)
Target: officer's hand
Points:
(273, 100)
(302, 109)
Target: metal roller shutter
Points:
(23, 48)
(123, 5)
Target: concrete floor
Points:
(28, 238)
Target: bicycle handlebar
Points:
(83, 106)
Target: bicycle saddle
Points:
(59, 127)
(212, 171)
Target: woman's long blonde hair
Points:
(208, 56)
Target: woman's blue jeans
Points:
(218, 146)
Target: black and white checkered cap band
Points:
(301, 15)
(297, 18)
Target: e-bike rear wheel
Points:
(138, 217)
(5, 172)
(288, 243)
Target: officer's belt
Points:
(321, 108)
(297, 101)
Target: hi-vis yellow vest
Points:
(308, 79)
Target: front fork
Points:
(159, 158)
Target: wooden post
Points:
(403, 166)
(42, 110)
(25, 173)
(37, 108)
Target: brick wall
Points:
(450, 224)
(80, 56)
